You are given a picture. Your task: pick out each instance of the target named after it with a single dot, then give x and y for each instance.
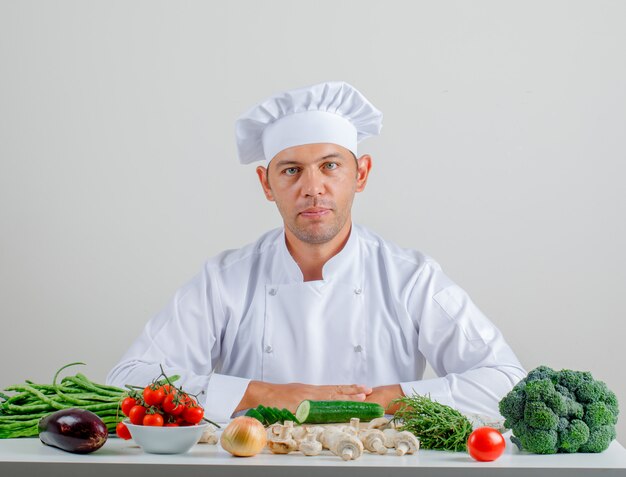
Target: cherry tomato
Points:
(153, 394)
(136, 415)
(187, 400)
(171, 424)
(122, 431)
(153, 420)
(127, 404)
(193, 415)
(172, 405)
(485, 444)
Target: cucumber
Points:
(323, 412)
(256, 414)
(267, 414)
(288, 416)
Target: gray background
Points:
(502, 156)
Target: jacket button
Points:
(358, 348)
(268, 349)
(358, 291)
(273, 291)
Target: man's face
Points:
(313, 186)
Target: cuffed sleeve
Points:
(223, 395)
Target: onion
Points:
(244, 437)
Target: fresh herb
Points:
(436, 425)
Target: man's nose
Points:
(312, 183)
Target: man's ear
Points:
(364, 165)
(262, 173)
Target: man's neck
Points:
(311, 258)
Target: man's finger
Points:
(349, 397)
(353, 389)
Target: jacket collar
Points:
(346, 266)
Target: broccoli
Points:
(560, 411)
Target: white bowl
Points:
(166, 440)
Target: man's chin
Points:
(315, 237)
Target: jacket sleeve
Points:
(475, 365)
(183, 339)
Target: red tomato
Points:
(172, 405)
(153, 395)
(485, 444)
(153, 420)
(187, 400)
(127, 404)
(171, 424)
(122, 431)
(136, 415)
(193, 415)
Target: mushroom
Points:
(404, 442)
(373, 440)
(273, 431)
(379, 423)
(284, 443)
(300, 432)
(310, 445)
(342, 444)
(208, 436)
(390, 437)
(353, 428)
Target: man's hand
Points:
(383, 395)
(290, 395)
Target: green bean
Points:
(104, 387)
(90, 387)
(26, 432)
(49, 404)
(100, 407)
(94, 397)
(30, 408)
(45, 398)
(71, 400)
(45, 388)
(18, 398)
(22, 417)
(18, 424)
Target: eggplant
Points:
(73, 430)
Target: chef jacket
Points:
(379, 314)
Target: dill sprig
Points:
(436, 425)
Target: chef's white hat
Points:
(331, 112)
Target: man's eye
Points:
(291, 171)
(331, 165)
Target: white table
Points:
(21, 457)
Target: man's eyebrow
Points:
(292, 162)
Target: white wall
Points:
(502, 156)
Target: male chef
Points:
(321, 308)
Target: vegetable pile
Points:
(436, 425)
(160, 404)
(560, 411)
(20, 413)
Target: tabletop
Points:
(118, 457)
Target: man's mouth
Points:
(314, 212)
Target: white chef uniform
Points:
(379, 314)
